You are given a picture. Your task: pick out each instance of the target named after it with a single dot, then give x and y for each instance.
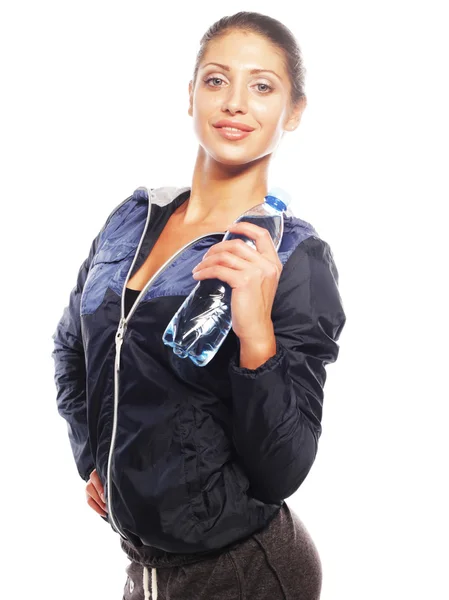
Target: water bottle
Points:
(202, 322)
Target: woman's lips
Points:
(231, 134)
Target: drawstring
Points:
(154, 582)
(146, 589)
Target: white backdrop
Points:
(94, 104)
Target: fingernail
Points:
(102, 497)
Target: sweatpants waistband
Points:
(149, 556)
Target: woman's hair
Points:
(275, 32)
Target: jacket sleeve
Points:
(70, 370)
(277, 407)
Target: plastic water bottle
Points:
(202, 322)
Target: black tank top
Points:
(130, 298)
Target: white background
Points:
(94, 104)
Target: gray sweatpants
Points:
(280, 562)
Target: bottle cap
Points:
(280, 194)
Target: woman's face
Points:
(260, 100)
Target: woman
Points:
(191, 466)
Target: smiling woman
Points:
(191, 467)
(248, 76)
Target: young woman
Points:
(191, 466)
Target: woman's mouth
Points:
(231, 133)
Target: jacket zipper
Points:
(119, 341)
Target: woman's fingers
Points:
(97, 484)
(94, 491)
(91, 502)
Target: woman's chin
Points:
(231, 155)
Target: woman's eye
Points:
(213, 79)
(268, 87)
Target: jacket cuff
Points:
(87, 474)
(269, 365)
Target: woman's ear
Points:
(190, 110)
(296, 113)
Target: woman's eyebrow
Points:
(252, 72)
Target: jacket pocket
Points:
(188, 432)
(112, 253)
(105, 263)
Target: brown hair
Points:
(275, 32)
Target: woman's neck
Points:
(218, 198)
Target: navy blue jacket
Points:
(191, 458)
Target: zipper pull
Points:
(119, 341)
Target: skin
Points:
(94, 494)
(230, 176)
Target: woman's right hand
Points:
(95, 494)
